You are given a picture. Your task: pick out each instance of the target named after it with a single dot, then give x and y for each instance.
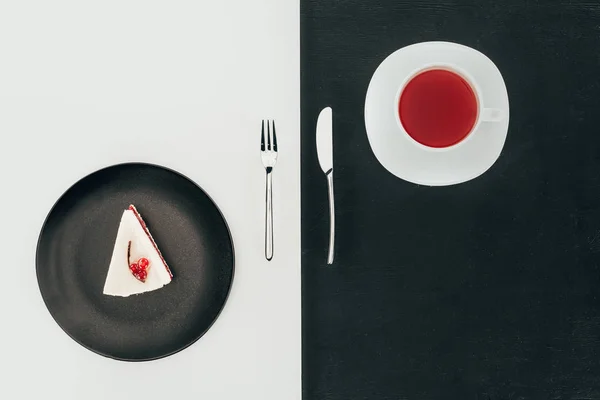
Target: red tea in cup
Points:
(438, 108)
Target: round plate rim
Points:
(37, 260)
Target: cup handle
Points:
(492, 114)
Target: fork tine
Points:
(269, 135)
(274, 138)
(262, 137)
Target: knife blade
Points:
(325, 156)
(325, 139)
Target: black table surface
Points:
(485, 290)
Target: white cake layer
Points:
(120, 281)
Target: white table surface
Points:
(86, 84)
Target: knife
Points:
(325, 155)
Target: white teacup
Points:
(483, 114)
(409, 159)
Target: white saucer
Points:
(410, 160)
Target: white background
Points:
(86, 84)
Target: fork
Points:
(268, 154)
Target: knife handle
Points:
(331, 217)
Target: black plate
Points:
(75, 248)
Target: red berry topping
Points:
(140, 269)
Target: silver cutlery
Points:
(325, 155)
(268, 154)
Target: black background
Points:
(484, 290)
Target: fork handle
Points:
(269, 217)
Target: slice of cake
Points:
(137, 266)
